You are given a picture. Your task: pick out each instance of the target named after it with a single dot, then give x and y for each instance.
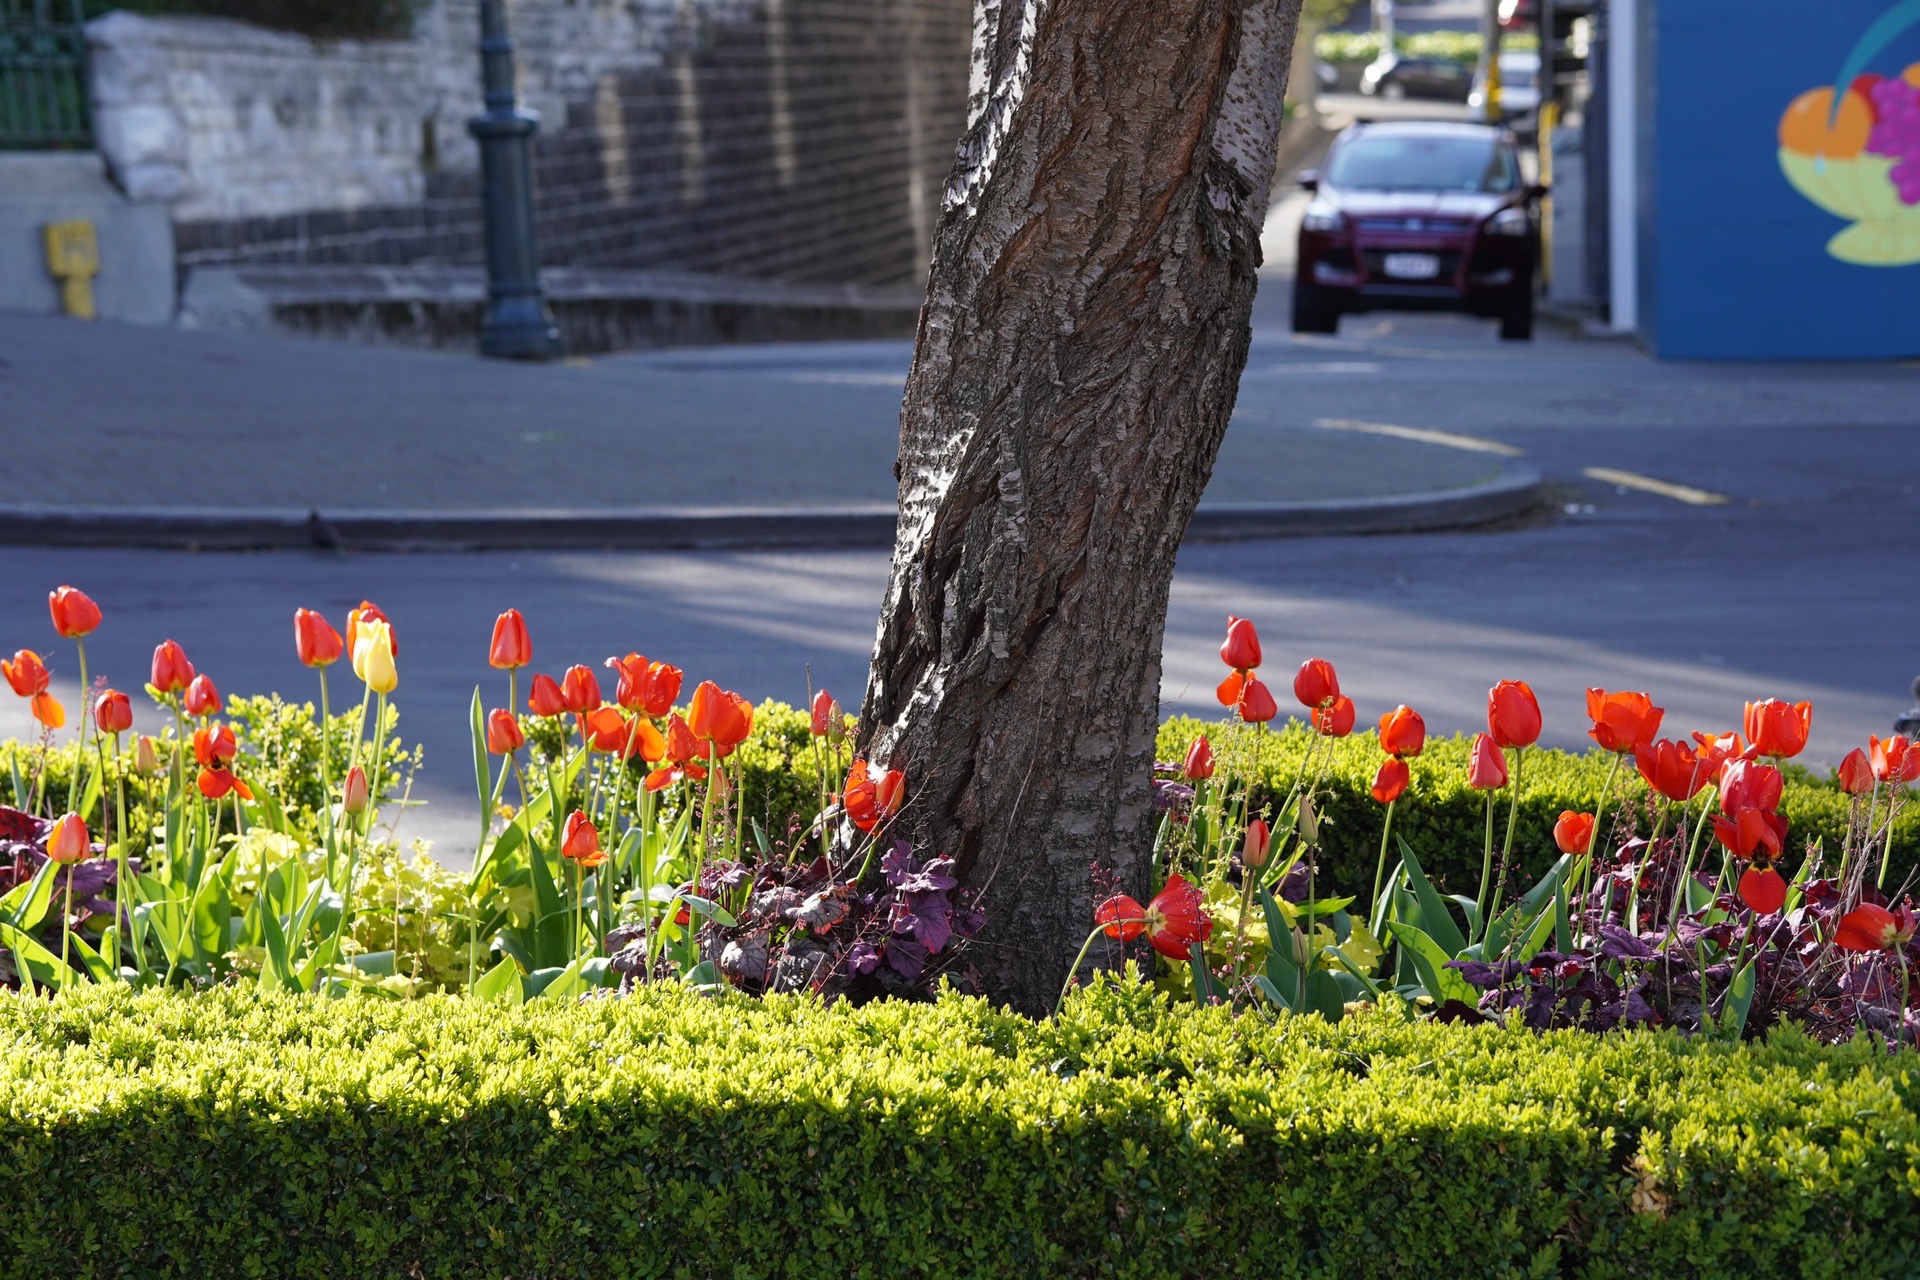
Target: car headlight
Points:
(1509, 222)
(1323, 217)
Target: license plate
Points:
(1412, 266)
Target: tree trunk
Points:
(1078, 357)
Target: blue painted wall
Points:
(1737, 257)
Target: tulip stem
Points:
(1486, 869)
(326, 769)
(1084, 948)
(1380, 870)
(1886, 850)
(66, 931)
(1506, 849)
(86, 718)
(1593, 840)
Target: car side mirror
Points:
(1538, 191)
(1309, 179)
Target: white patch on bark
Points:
(1246, 134)
(993, 98)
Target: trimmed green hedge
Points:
(233, 1133)
(1462, 47)
(1445, 821)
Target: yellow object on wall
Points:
(73, 258)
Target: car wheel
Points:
(1313, 311)
(1516, 322)
(1393, 91)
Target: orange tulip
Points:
(47, 710)
(1316, 685)
(581, 842)
(1335, 721)
(682, 750)
(68, 841)
(1391, 780)
(511, 648)
(1199, 762)
(872, 796)
(1573, 833)
(1715, 750)
(1487, 767)
(113, 712)
(1672, 768)
(1855, 773)
(1893, 759)
(545, 698)
(652, 687)
(314, 640)
(202, 698)
(503, 732)
(1763, 889)
(1622, 721)
(579, 690)
(1230, 689)
(171, 670)
(1777, 728)
(1256, 703)
(1751, 833)
(217, 783)
(355, 794)
(1513, 714)
(26, 673)
(370, 612)
(1241, 651)
(1871, 927)
(146, 755)
(608, 730)
(1403, 732)
(74, 613)
(719, 717)
(1258, 844)
(214, 745)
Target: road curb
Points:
(1514, 492)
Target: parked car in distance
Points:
(1519, 93)
(1418, 216)
(1436, 79)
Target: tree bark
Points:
(1077, 360)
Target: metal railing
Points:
(43, 76)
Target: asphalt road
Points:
(1754, 536)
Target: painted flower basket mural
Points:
(1853, 148)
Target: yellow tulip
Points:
(373, 656)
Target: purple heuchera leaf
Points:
(906, 957)
(863, 957)
(927, 917)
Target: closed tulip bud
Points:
(25, 673)
(69, 842)
(1316, 685)
(1307, 822)
(1259, 841)
(113, 712)
(146, 755)
(1199, 762)
(1855, 773)
(171, 671)
(1487, 768)
(74, 613)
(512, 648)
(315, 640)
(1402, 732)
(720, 717)
(1241, 651)
(354, 792)
(545, 698)
(1256, 703)
(1778, 728)
(1335, 721)
(369, 612)
(503, 732)
(202, 698)
(1391, 780)
(1573, 833)
(1513, 714)
(373, 656)
(580, 843)
(825, 713)
(579, 691)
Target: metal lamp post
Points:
(518, 325)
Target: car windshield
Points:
(1422, 163)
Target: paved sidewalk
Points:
(102, 419)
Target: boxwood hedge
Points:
(241, 1134)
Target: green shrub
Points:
(1445, 821)
(1462, 47)
(235, 1133)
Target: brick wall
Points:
(774, 139)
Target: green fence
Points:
(43, 76)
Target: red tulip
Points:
(1242, 648)
(1855, 773)
(1121, 917)
(1671, 768)
(171, 670)
(682, 749)
(1622, 721)
(370, 612)
(68, 841)
(1258, 843)
(826, 714)
(1256, 703)
(1715, 750)
(512, 648)
(1894, 759)
(1573, 833)
(1391, 780)
(315, 640)
(113, 712)
(608, 730)
(1199, 763)
(26, 673)
(1316, 685)
(1513, 714)
(47, 710)
(1869, 927)
(1747, 785)
(217, 783)
(503, 732)
(1763, 889)
(581, 842)
(1778, 728)
(202, 698)
(579, 690)
(1402, 732)
(1335, 721)
(214, 745)
(1175, 919)
(544, 698)
(652, 687)
(1487, 768)
(74, 613)
(1228, 691)
(872, 796)
(1750, 832)
(719, 717)
(355, 795)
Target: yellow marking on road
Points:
(1647, 484)
(1425, 435)
(577, 362)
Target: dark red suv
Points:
(1418, 217)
